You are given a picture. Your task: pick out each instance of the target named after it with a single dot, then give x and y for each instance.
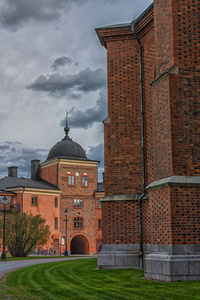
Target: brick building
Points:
(151, 208)
(63, 190)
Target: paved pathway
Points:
(8, 266)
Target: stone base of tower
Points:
(175, 224)
(119, 256)
(165, 267)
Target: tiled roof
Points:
(13, 182)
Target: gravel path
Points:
(8, 266)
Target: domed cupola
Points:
(67, 148)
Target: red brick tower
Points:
(166, 35)
(68, 168)
(123, 142)
(175, 191)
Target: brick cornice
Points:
(118, 32)
(175, 180)
(120, 198)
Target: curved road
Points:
(8, 266)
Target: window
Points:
(84, 181)
(56, 202)
(10, 200)
(78, 203)
(70, 180)
(99, 203)
(78, 223)
(34, 200)
(56, 223)
(99, 223)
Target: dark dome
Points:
(67, 148)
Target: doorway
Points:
(79, 245)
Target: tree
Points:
(23, 232)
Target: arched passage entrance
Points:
(79, 245)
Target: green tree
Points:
(23, 232)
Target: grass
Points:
(79, 279)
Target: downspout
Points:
(143, 150)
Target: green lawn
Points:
(79, 279)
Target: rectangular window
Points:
(99, 223)
(99, 203)
(56, 202)
(70, 180)
(84, 181)
(56, 223)
(34, 200)
(10, 200)
(78, 203)
(78, 223)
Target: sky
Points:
(51, 60)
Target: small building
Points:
(64, 191)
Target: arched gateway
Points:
(79, 245)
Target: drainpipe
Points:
(142, 138)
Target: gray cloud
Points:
(97, 153)
(61, 62)
(59, 85)
(16, 154)
(13, 13)
(73, 96)
(86, 118)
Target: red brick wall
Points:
(121, 222)
(87, 194)
(145, 215)
(161, 134)
(185, 210)
(185, 124)
(163, 35)
(123, 173)
(176, 35)
(172, 136)
(175, 215)
(148, 65)
(160, 216)
(186, 34)
(50, 174)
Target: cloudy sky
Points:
(51, 60)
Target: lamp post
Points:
(66, 252)
(4, 201)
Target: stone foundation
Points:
(165, 267)
(119, 256)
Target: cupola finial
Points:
(66, 129)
